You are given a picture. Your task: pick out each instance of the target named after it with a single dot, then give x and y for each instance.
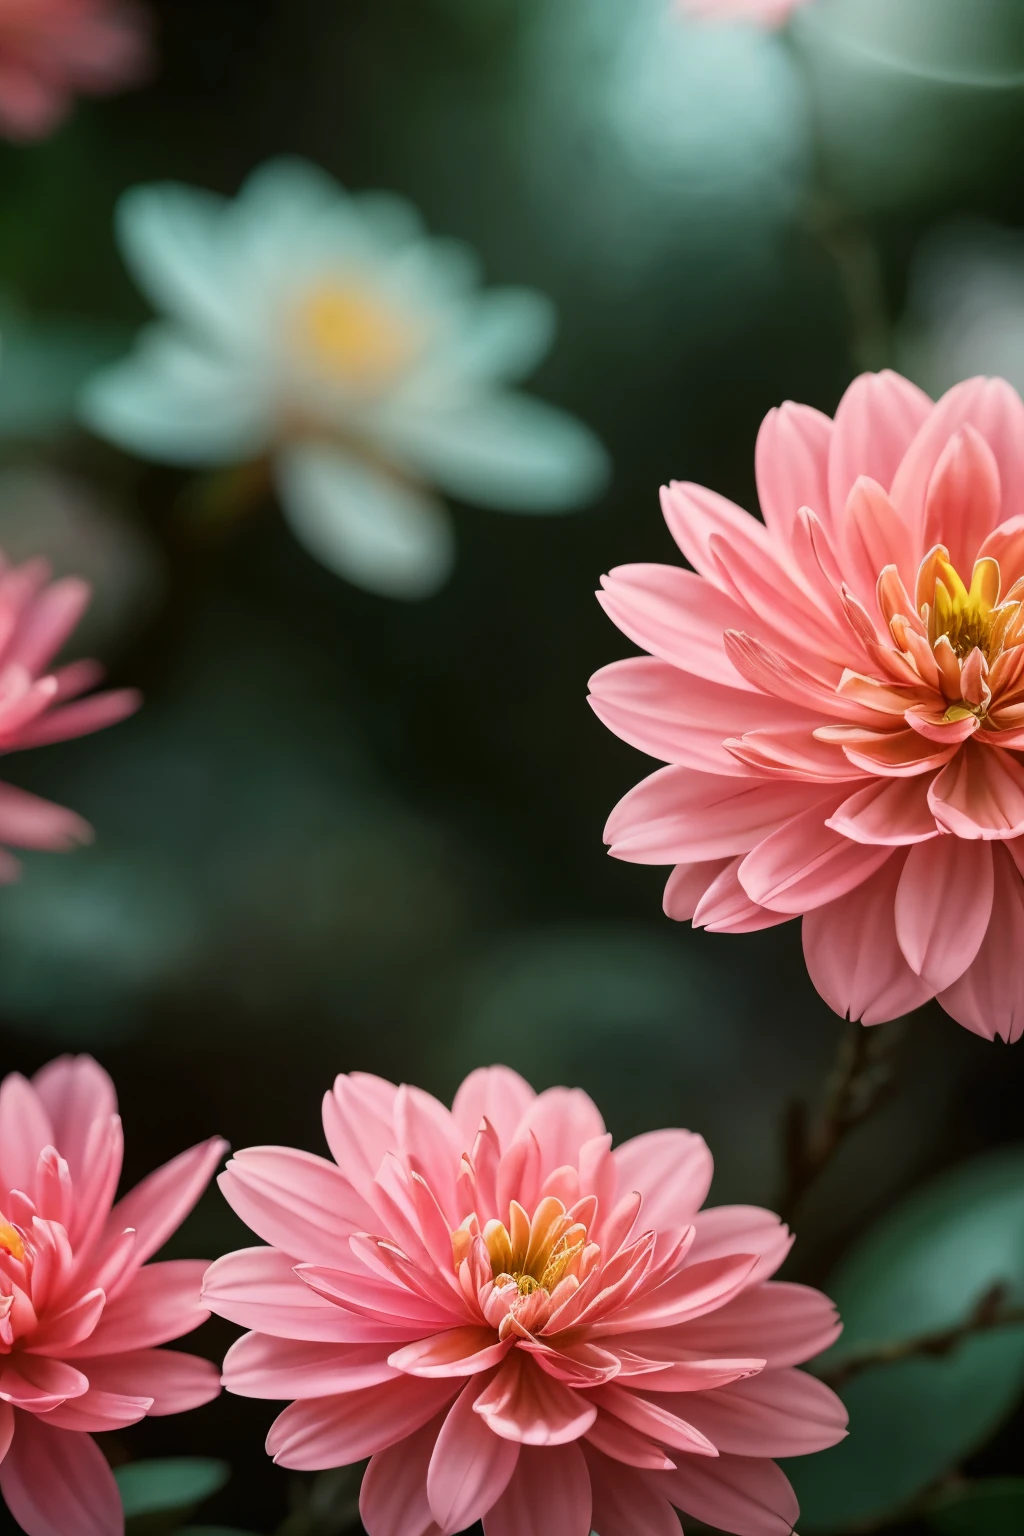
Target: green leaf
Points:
(994, 1507)
(148, 1487)
(923, 1268)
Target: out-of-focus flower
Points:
(330, 332)
(39, 706)
(517, 1323)
(765, 13)
(81, 1313)
(839, 693)
(53, 50)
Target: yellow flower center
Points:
(10, 1240)
(965, 615)
(353, 337)
(534, 1255)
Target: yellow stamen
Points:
(964, 616)
(353, 336)
(10, 1241)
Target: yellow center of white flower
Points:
(354, 337)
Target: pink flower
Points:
(839, 693)
(39, 706)
(765, 13)
(79, 1314)
(52, 49)
(517, 1323)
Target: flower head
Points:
(50, 50)
(332, 334)
(839, 693)
(38, 705)
(517, 1323)
(81, 1313)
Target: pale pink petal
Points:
(672, 1171)
(874, 535)
(37, 1383)
(497, 1094)
(989, 997)
(695, 516)
(58, 1483)
(48, 623)
(158, 1205)
(28, 822)
(523, 1403)
(322, 1432)
(787, 1323)
(853, 956)
(675, 615)
(470, 1467)
(258, 1288)
(791, 461)
(75, 1091)
(98, 1410)
(359, 1125)
(875, 424)
(257, 1365)
(939, 932)
(980, 794)
(805, 863)
(162, 1303)
(25, 1129)
(725, 906)
(626, 1504)
(174, 1381)
(889, 811)
(429, 1140)
(299, 1202)
(611, 1437)
(688, 883)
(747, 1496)
(964, 500)
(81, 718)
(562, 1120)
(728, 1229)
(548, 1492)
(393, 1496)
(778, 1413)
(694, 1290)
(455, 1352)
(655, 1417)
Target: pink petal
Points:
(81, 718)
(725, 906)
(59, 1330)
(162, 1303)
(697, 1289)
(729, 1229)
(7, 1422)
(853, 956)
(899, 754)
(158, 1205)
(48, 622)
(626, 1504)
(393, 1496)
(299, 1203)
(791, 463)
(943, 906)
(429, 1141)
(28, 822)
(989, 997)
(58, 1483)
(257, 1365)
(672, 1171)
(676, 615)
(980, 794)
(455, 1352)
(875, 424)
(778, 1413)
(74, 1091)
(696, 515)
(521, 1402)
(787, 1323)
(680, 816)
(323, 1432)
(392, 1307)
(611, 1437)
(687, 884)
(174, 1381)
(258, 1288)
(874, 535)
(25, 1129)
(964, 501)
(359, 1125)
(745, 1495)
(655, 1418)
(805, 863)
(549, 1491)
(563, 1120)
(38, 1384)
(497, 1094)
(470, 1467)
(793, 752)
(887, 811)
(97, 1411)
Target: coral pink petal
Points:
(611, 1437)
(778, 1413)
(81, 718)
(728, 1229)
(563, 1120)
(38, 1384)
(853, 955)
(548, 1491)
(725, 906)
(470, 1467)
(25, 1129)
(785, 1322)
(258, 1288)
(393, 1497)
(58, 1483)
(74, 1091)
(677, 616)
(877, 420)
(301, 1203)
(28, 822)
(745, 1495)
(48, 622)
(359, 1125)
(257, 1365)
(494, 1093)
(162, 1302)
(980, 794)
(158, 1205)
(626, 1504)
(7, 1421)
(672, 1172)
(943, 906)
(521, 1402)
(695, 516)
(656, 1418)
(874, 535)
(791, 462)
(688, 884)
(696, 1289)
(895, 812)
(173, 1380)
(805, 863)
(989, 997)
(97, 1411)
(429, 1139)
(323, 1432)
(456, 1352)
(964, 499)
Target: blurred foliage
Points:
(157, 1494)
(991, 1508)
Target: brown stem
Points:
(991, 1312)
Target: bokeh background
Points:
(352, 833)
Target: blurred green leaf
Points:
(149, 1487)
(43, 365)
(924, 1268)
(994, 1507)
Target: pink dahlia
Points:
(765, 13)
(839, 694)
(50, 50)
(39, 705)
(79, 1314)
(517, 1323)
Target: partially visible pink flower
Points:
(39, 706)
(765, 13)
(517, 1323)
(839, 695)
(53, 50)
(81, 1313)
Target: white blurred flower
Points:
(329, 331)
(965, 307)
